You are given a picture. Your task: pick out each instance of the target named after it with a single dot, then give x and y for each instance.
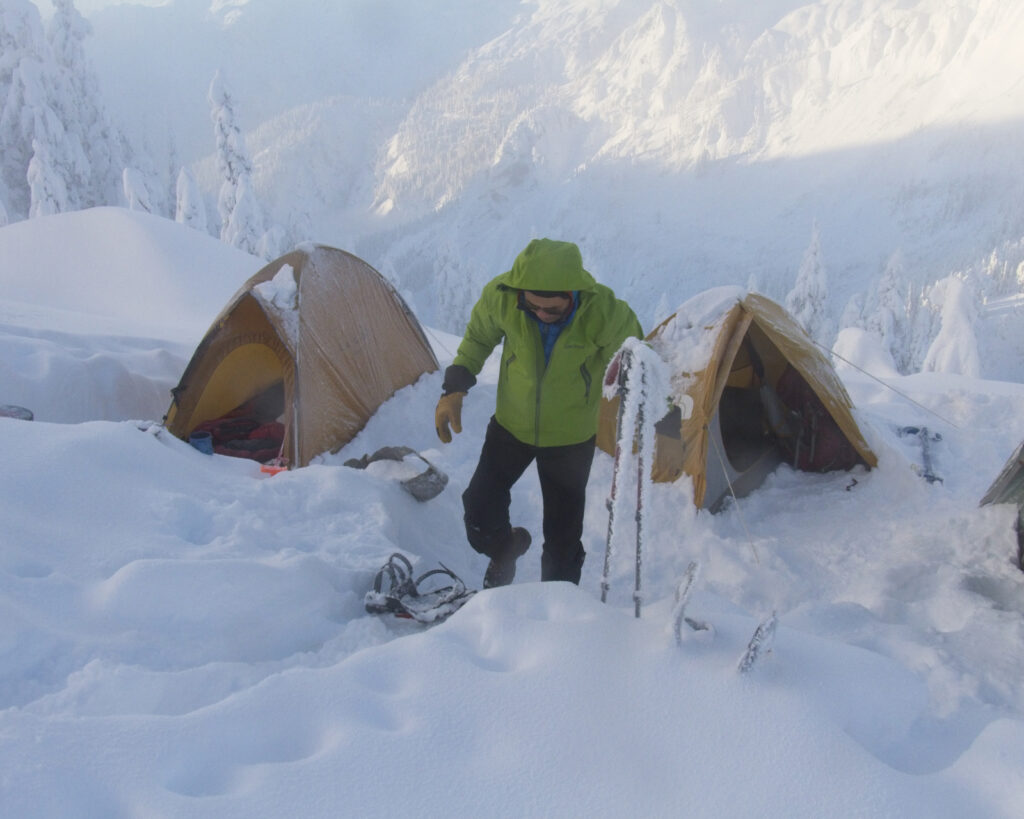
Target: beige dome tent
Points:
(757, 392)
(314, 342)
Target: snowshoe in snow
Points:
(395, 591)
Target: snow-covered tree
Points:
(73, 96)
(3, 213)
(138, 192)
(26, 69)
(105, 145)
(48, 191)
(454, 298)
(890, 317)
(241, 217)
(808, 299)
(925, 318)
(190, 209)
(853, 313)
(244, 226)
(955, 348)
(50, 115)
(149, 180)
(273, 243)
(171, 174)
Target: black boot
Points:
(559, 567)
(502, 569)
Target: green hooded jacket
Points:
(556, 403)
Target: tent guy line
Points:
(887, 386)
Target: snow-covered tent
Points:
(1008, 487)
(311, 346)
(754, 392)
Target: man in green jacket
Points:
(560, 330)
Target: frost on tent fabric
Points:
(280, 297)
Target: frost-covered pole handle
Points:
(640, 466)
(620, 377)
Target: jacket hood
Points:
(547, 264)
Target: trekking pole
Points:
(625, 360)
(637, 597)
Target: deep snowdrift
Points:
(101, 310)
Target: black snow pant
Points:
(563, 472)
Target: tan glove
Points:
(449, 411)
(669, 454)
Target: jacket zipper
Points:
(541, 367)
(586, 381)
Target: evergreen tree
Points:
(924, 323)
(853, 313)
(48, 191)
(890, 319)
(149, 183)
(190, 209)
(82, 110)
(808, 299)
(171, 175)
(273, 243)
(241, 220)
(955, 348)
(25, 115)
(137, 191)
(50, 116)
(244, 227)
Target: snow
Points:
(686, 341)
(184, 635)
(102, 308)
(280, 298)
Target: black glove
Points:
(457, 379)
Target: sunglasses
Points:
(547, 311)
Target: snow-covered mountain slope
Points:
(682, 144)
(679, 83)
(673, 138)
